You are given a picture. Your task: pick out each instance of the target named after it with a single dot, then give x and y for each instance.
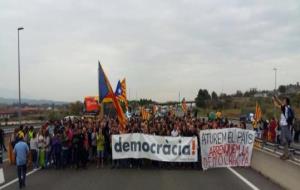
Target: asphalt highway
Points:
(146, 179)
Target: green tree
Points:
(145, 102)
(239, 93)
(54, 115)
(223, 95)
(202, 98)
(282, 89)
(76, 108)
(214, 100)
(214, 96)
(251, 92)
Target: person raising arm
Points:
(286, 119)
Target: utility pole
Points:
(19, 76)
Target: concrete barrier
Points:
(284, 173)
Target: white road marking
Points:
(276, 155)
(270, 150)
(251, 185)
(297, 160)
(16, 180)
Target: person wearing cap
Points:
(21, 151)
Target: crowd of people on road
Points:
(76, 142)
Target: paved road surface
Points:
(147, 179)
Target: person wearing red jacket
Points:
(272, 130)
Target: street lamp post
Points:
(19, 77)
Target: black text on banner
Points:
(160, 148)
(226, 147)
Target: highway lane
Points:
(147, 179)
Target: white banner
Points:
(160, 148)
(226, 147)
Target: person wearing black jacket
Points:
(81, 149)
(286, 122)
(78, 148)
(106, 134)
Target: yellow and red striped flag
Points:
(258, 112)
(124, 92)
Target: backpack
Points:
(290, 116)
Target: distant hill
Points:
(10, 101)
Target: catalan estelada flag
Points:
(121, 92)
(118, 91)
(105, 91)
(103, 83)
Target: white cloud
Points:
(161, 47)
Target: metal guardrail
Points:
(275, 148)
(27, 122)
(10, 129)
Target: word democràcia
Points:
(155, 148)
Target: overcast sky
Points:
(161, 47)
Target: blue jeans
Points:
(22, 174)
(35, 160)
(48, 157)
(286, 138)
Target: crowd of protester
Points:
(270, 130)
(76, 143)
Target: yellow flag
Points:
(258, 113)
(124, 92)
